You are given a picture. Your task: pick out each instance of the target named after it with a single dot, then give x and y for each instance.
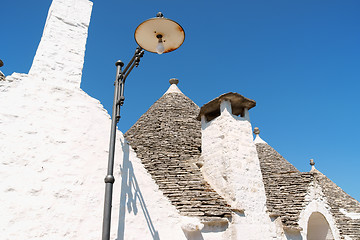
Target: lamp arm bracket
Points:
(139, 53)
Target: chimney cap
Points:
(238, 103)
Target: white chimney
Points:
(230, 161)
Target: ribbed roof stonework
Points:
(167, 139)
(285, 186)
(340, 201)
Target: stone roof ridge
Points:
(173, 86)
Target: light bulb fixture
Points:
(159, 35)
(160, 48)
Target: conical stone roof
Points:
(285, 186)
(167, 139)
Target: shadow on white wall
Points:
(130, 191)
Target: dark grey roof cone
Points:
(167, 139)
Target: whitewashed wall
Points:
(60, 54)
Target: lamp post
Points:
(157, 35)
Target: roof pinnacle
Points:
(312, 164)
(257, 137)
(173, 86)
(174, 81)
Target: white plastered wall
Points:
(60, 53)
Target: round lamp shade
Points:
(149, 33)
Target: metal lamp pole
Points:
(157, 35)
(118, 102)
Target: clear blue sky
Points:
(298, 59)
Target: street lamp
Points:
(157, 35)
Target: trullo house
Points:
(182, 172)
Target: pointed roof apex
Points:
(173, 86)
(257, 137)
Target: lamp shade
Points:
(148, 33)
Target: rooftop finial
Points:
(173, 86)
(257, 137)
(174, 81)
(312, 164)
